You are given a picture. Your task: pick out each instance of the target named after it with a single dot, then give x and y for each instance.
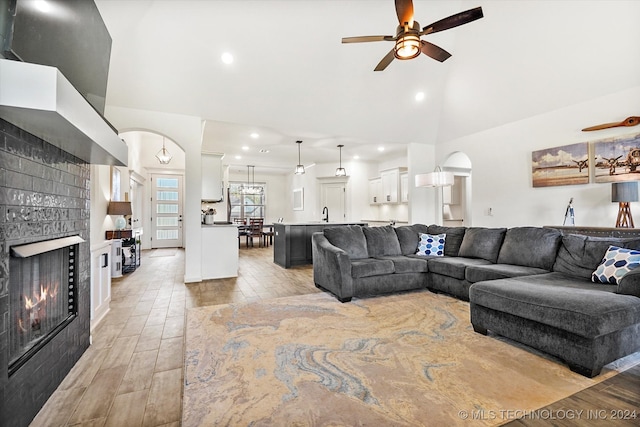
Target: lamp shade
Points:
(119, 208)
(434, 179)
(624, 191)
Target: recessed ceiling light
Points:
(356, 157)
(264, 150)
(381, 149)
(238, 157)
(420, 96)
(254, 135)
(245, 148)
(227, 58)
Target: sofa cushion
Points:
(430, 244)
(616, 263)
(484, 243)
(408, 239)
(349, 238)
(404, 264)
(381, 241)
(371, 267)
(478, 273)
(579, 256)
(453, 266)
(454, 237)
(530, 246)
(569, 304)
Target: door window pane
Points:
(165, 208)
(166, 234)
(167, 195)
(167, 221)
(167, 183)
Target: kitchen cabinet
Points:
(375, 190)
(390, 183)
(100, 282)
(211, 177)
(404, 187)
(220, 251)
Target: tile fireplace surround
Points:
(44, 194)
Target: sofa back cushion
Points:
(349, 238)
(382, 241)
(484, 243)
(408, 239)
(530, 247)
(453, 240)
(579, 256)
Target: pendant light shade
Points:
(340, 171)
(163, 155)
(251, 187)
(300, 166)
(437, 178)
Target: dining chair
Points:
(255, 230)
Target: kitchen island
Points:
(219, 251)
(292, 241)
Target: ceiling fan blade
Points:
(454, 21)
(385, 61)
(364, 39)
(433, 51)
(404, 10)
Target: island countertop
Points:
(292, 241)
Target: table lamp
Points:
(120, 209)
(624, 193)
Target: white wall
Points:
(501, 165)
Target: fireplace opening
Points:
(42, 295)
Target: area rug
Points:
(163, 252)
(408, 359)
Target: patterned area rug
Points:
(409, 359)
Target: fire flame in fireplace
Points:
(36, 306)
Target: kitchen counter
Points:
(292, 241)
(219, 251)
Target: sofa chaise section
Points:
(563, 312)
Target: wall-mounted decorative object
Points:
(629, 121)
(564, 165)
(298, 199)
(617, 158)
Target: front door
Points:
(166, 211)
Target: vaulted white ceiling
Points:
(292, 79)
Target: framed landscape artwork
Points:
(565, 165)
(617, 158)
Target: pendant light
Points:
(300, 166)
(251, 187)
(340, 171)
(163, 155)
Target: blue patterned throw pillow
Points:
(431, 245)
(616, 263)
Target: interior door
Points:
(333, 196)
(166, 211)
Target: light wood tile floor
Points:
(132, 374)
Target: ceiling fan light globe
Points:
(407, 47)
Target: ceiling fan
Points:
(407, 39)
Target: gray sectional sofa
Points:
(530, 284)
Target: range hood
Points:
(40, 100)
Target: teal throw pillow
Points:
(616, 263)
(431, 245)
